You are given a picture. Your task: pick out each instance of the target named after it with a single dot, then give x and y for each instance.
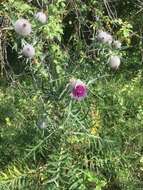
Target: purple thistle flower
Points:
(78, 89)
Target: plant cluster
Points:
(71, 113)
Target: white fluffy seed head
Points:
(104, 37)
(22, 27)
(41, 17)
(114, 62)
(28, 51)
(117, 44)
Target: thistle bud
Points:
(114, 62)
(41, 17)
(28, 51)
(42, 125)
(22, 27)
(117, 44)
(104, 37)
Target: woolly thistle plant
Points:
(28, 51)
(23, 27)
(41, 17)
(98, 139)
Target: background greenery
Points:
(95, 144)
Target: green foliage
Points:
(95, 144)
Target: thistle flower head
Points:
(22, 27)
(28, 51)
(78, 89)
(101, 35)
(117, 44)
(108, 39)
(114, 62)
(41, 17)
(104, 37)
